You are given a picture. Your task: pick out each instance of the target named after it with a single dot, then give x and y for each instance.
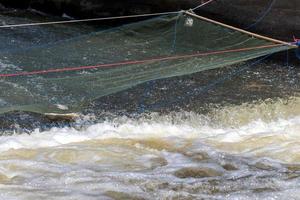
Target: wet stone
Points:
(158, 162)
(121, 196)
(3, 178)
(197, 156)
(229, 167)
(181, 197)
(163, 186)
(191, 172)
(292, 176)
(263, 190)
(294, 167)
(263, 166)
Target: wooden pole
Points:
(241, 30)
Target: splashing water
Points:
(239, 151)
(176, 156)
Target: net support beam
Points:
(241, 30)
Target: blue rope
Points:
(263, 15)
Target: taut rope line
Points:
(204, 4)
(98, 19)
(135, 62)
(86, 20)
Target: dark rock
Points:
(20, 122)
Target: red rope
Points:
(134, 62)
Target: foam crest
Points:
(138, 129)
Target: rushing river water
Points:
(175, 156)
(239, 141)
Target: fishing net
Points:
(66, 76)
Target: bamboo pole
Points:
(241, 30)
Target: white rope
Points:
(204, 4)
(98, 19)
(87, 20)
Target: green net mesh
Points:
(69, 75)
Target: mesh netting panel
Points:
(139, 48)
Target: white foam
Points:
(131, 129)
